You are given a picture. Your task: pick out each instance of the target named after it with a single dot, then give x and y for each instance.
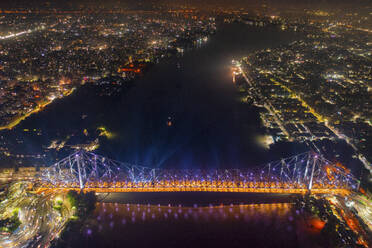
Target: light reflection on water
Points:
(136, 225)
(133, 213)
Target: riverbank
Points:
(37, 109)
(183, 113)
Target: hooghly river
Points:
(188, 220)
(184, 112)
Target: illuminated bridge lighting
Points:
(303, 173)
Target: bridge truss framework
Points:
(306, 172)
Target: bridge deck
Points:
(293, 175)
(204, 189)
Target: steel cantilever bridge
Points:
(304, 173)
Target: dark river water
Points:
(210, 127)
(245, 224)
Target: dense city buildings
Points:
(316, 88)
(47, 58)
(185, 123)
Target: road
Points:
(267, 105)
(41, 223)
(37, 109)
(319, 117)
(344, 209)
(14, 35)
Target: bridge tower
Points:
(309, 172)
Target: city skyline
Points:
(121, 117)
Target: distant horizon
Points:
(206, 4)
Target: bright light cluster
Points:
(297, 174)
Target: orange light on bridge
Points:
(317, 223)
(192, 186)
